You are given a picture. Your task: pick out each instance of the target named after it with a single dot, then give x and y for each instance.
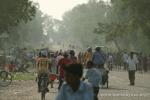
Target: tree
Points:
(12, 12)
(28, 34)
(81, 21)
(136, 13)
(127, 19)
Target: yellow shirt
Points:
(43, 65)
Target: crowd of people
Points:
(119, 61)
(70, 69)
(70, 66)
(16, 60)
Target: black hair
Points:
(65, 55)
(72, 52)
(40, 54)
(74, 69)
(97, 48)
(89, 49)
(90, 62)
(59, 53)
(52, 55)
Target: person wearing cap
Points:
(74, 88)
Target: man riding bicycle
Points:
(42, 68)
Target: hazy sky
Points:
(56, 8)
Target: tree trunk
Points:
(117, 45)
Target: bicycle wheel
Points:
(43, 86)
(5, 78)
(43, 95)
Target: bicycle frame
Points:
(43, 86)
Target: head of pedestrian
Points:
(131, 54)
(89, 49)
(60, 53)
(40, 54)
(51, 54)
(72, 53)
(65, 54)
(98, 49)
(73, 74)
(43, 54)
(89, 64)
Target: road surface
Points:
(119, 89)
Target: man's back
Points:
(98, 58)
(62, 63)
(85, 92)
(43, 65)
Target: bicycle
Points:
(5, 78)
(43, 86)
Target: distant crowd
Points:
(68, 67)
(119, 61)
(20, 58)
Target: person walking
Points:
(94, 77)
(132, 68)
(98, 57)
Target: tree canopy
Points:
(81, 21)
(127, 20)
(12, 12)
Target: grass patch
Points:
(23, 76)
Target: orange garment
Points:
(87, 57)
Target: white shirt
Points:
(110, 58)
(125, 57)
(131, 63)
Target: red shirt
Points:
(63, 61)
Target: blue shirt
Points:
(94, 77)
(85, 92)
(98, 58)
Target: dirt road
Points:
(118, 89)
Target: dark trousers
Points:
(61, 80)
(125, 65)
(131, 76)
(96, 91)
